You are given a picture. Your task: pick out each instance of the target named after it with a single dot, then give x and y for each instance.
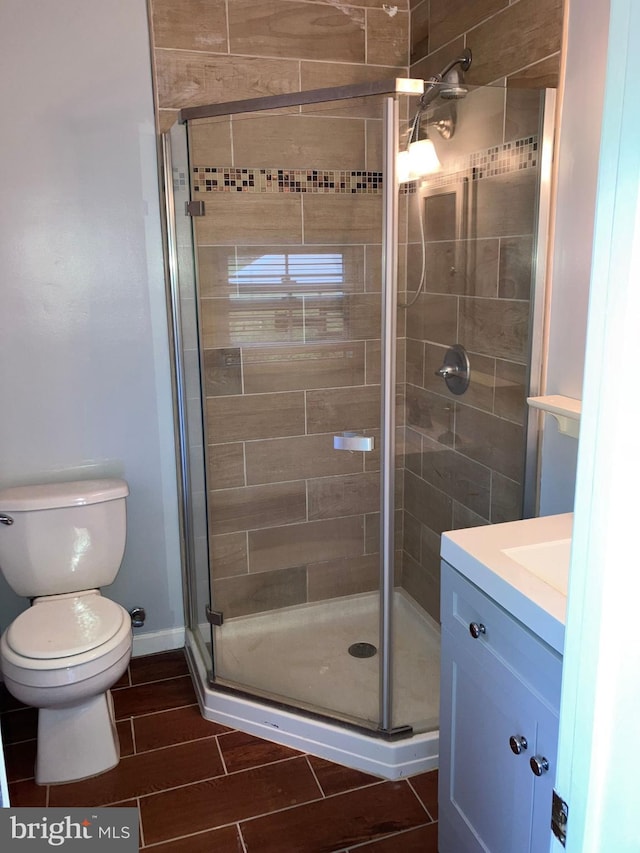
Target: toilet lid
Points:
(65, 627)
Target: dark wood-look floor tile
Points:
(129, 804)
(125, 736)
(27, 794)
(225, 840)
(19, 725)
(8, 702)
(337, 822)
(169, 727)
(335, 779)
(227, 799)
(123, 681)
(242, 751)
(148, 698)
(156, 667)
(20, 760)
(426, 787)
(143, 773)
(424, 839)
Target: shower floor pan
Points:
(304, 652)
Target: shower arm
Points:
(431, 91)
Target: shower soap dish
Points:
(566, 410)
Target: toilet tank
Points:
(62, 537)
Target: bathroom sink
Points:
(549, 561)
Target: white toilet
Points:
(59, 543)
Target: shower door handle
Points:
(353, 442)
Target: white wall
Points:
(85, 374)
(578, 149)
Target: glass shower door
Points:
(289, 268)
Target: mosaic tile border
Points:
(228, 179)
(487, 163)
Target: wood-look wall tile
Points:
(522, 113)
(350, 494)
(255, 416)
(413, 451)
(415, 362)
(215, 266)
(541, 75)
(464, 267)
(299, 142)
(306, 367)
(374, 361)
(210, 142)
(304, 30)
(437, 59)
(430, 414)
(222, 371)
(421, 586)
(506, 499)
(189, 79)
(347, 576)
(387, 38)
(490, 440)
(228, 323)
(355, 218)
(511, 391)
(297, 458)
(523, 33)
(350, 317)
(255, 507)
(495, 327)
(411, 537)
(429, 505)
(340, 409)
(375, 145)
(299, 544)
(372, 531)
(419, 41)
(516, 267)
(433, 318)
(190, 25)
(320, 75)
(464, 517)
(261, 591)
(250, 218)
(225, 466)
(449, 18)
(228, 555)
(506, 204)
(456, 475)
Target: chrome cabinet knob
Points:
(518, 744)
(539, 764)
(476, 628)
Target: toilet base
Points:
(77, 742)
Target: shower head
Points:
(449, 75)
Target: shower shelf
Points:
(566, 410)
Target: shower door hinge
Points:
(214, 617)
(194, 208)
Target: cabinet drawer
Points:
(504, 638)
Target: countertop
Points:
(522, 565)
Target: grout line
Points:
(239, 830)
(313, 773)
(141, 830)
(221, 754)
(133, 736)
(418, 797)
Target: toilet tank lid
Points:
(57, 495)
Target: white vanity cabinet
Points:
(500, 697)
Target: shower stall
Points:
(319, 299)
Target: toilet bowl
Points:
(64, 653)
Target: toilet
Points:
(59, 544)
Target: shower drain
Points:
(362, 650)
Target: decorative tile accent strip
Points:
(224, 179)
(497, 160)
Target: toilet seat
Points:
(93, 654)
(62, 626)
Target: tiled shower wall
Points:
(278, 491)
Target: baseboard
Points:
(157, 641)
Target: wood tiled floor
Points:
(203, 788)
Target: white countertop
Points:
(522, 565)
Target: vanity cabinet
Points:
(500, 697)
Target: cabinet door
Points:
(486, 791)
